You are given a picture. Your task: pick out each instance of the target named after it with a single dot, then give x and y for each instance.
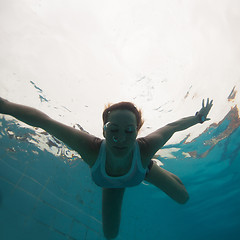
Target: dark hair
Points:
(123, 106)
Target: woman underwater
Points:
(119, 160)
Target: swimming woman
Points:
(120, 160)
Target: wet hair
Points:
(123, 106)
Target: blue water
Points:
(46, 191)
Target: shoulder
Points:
(91, 153)
(151, 143)
(157, 139)
(96, 144)
(143, 143)
(145, 151)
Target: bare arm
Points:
(158, 138)
(26, 114)
(77, 140)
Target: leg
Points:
(111, 211)
(168, 183)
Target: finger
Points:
(207, 101)
(203, 103)
(211, 103)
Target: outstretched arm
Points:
(158, 138)
(29, 115)
(200, 117)
(77, 140)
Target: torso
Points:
(120, 170)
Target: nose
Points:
(119, 138)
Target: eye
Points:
(114, 130)
(130, 130)
(127, 131)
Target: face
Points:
(121, 132)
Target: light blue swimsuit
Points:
(134, 177)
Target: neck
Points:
(119, 156)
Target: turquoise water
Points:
(46, 191)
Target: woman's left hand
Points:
(205, 109)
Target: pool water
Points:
(46, 191)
